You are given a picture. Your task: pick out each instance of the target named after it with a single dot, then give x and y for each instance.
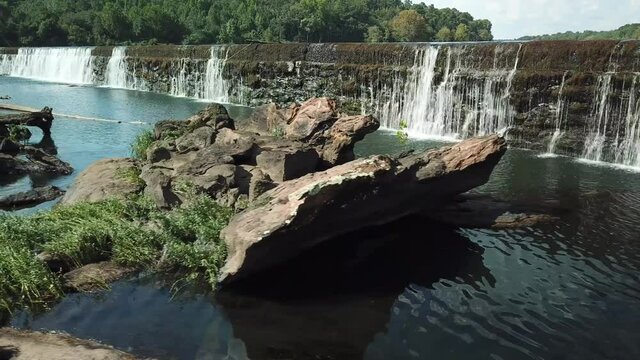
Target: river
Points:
(409, 290)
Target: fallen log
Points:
(42, 119)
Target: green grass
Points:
(141, 144)
(132, 175)
(130, 232)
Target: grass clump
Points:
(141, 144)
(131, 175)
(129, 232)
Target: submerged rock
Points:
(30, 198)
(31, 345)
(95, 277)
(301, 213)
(477, 211)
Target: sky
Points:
(515, 18)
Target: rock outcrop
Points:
(104, 179)
(298, 214)
(209, 154)
(30, 345)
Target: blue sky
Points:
(516, 18)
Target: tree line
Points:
(110, 22)
(625, 32)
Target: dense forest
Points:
(629, 31)
(106, 22)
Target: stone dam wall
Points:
(578, 98)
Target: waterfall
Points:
(117, 69)
(467, 101)
(599, 120)
(6, 62)
(627, 147)
(215, 87)
(614, 125)
(64, 65)
(559, 116)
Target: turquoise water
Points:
(414, 289)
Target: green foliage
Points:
(409, 25)
(625, 32)
(141, 144)
(401, 133)
(108, 22)
(19, 133)
(130, 232)
(444, 34)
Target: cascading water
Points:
(560, 113)
(117, 70)
(614, 126)
(627, 146)
(6, 62)
(467, 102)
(594, 143)
(64, 65)
(215, 87)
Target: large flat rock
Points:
(301, 213)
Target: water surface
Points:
(408, 290)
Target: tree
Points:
(409, 25)
(444, 34)
(374, 34)
(462, 33)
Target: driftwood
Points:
(42, 119)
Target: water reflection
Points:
(328, 304)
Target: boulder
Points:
(196, 140)
(335, 145)
(159, 186)
(95, 277)
(214, 115)
(102, 180)
(40, 161)
(31, 197)
(287, 163)
(301, 213)
(159, 151)
(170, 129)
(268, 120)
(30, 345)
(314, 115)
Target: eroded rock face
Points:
(28, 345)
(301, 213)
(102, 180)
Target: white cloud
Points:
(516, 18)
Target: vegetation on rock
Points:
(107, 22)
(130, 232)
